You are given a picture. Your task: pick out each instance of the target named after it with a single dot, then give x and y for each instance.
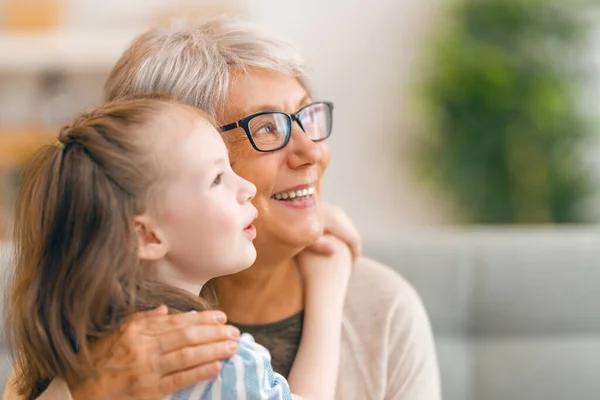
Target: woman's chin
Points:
(302, 237)
(282, 233)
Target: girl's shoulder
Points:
(248, 374)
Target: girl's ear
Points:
(152, 244)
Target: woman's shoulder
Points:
(369, 274)
(378, 292)
(386, 337)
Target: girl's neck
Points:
(167, 273)
(264, 293)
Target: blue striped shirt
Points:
(248, 375)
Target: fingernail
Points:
(233, 333)
(232, 346)
(220, 317)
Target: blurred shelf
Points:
(66, 50)
(17, 145)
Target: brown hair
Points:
(77, 272)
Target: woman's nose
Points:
(303, 151)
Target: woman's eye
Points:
(218, 179)
(267, 129)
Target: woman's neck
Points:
(264, 293)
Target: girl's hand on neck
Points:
(337, 223)
(326, 278)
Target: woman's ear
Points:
(152, 244)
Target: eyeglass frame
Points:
(243, 123)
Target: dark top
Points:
(281, 338)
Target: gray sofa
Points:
(516, 313)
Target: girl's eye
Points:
(218, 179)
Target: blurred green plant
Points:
(505, 131)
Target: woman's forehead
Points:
(260, 90)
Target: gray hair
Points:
(193, 61)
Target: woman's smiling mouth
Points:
(303, 192)
(298, 197)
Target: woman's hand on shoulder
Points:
(338, 224)
(155, 354)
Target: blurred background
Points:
(466, 149)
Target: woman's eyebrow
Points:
(269, 107)
(303, 101)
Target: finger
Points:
(339, 225)
(344, 230)
(353, 242)
(195, 356)
(356, 249)
(180, 380)
(156, 312)
(196, 335)
(322, 246)
(181, 320)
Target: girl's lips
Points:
(250, 231)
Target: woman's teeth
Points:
(295, 194)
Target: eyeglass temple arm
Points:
(229, 127)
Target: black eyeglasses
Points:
(271, 130)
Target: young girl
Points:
(135, 206)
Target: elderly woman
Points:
(255, 87)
